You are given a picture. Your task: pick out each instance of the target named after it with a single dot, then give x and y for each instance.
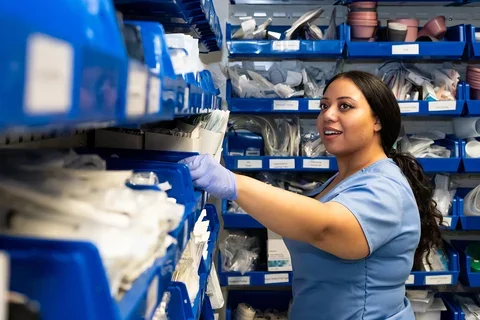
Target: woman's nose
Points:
(329, 114)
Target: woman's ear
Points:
(378, 126)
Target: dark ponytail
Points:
(385, 107)
(430, 217)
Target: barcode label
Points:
(276, 278)
(282, 163)
(314, 105)
(286, 45)
(285, 105)
(409, 107)
(249, 164)
(436, 280)
(316, 163)
(442, 105)
(406, 49)
(238, 281)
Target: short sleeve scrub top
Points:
(373, 288)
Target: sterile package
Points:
(437, 260)
(472, 202)
(214, 291)
(434, 311)
(420, 81)
(129, 227)
(281, 136)
(469, 306)
(283, 79)
(423, 145)
(278, 256)
(444, 193)
(239, 252)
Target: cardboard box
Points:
(278, 256)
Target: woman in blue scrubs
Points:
(352, 246)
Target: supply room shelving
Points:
(69, 67)
(312, 106)
(126, 91)
(416, 278)
(284, 48)
(457, 46)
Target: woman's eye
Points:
(345, 106)
(323, 106)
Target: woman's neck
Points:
(351, 163)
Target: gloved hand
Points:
(211, 176)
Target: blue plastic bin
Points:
(445, 165)
(451, 47)
(467, 222)
(472, 45)
(467, 276)
(261, 300)
(67, 278)
(436, 278)
(312, 106)
(284, 49)
(238, 220)
(470, 165)
(158, 60)
(473, 106)
(55, 73)
(180, 307)
(253, 278)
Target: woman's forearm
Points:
(290, 215)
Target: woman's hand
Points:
(211, 176)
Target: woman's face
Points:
(346, 122)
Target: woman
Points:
(353, 246)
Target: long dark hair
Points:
(385, 106)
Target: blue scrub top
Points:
(373, 288)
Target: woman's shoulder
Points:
(384, 174)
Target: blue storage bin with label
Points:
(284, 48)
(180, 307)
(68, 279)
(158, 61)
(64, 63)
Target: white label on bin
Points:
(154, 95)
(442, 105)
(313, 104)
(137, 91)
(289, 105)
(410, 280)
(282, 163)
(238, 281)
(409, 107)
(406, 49)
(49, 75)
(186, 99)
(152, 297)
(286, 45)
(185, 234)
(434, 280)
(249, 164)
(447, 221)
(276, 278)
(4, 283)
(316, 163)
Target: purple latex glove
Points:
(211, 176)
